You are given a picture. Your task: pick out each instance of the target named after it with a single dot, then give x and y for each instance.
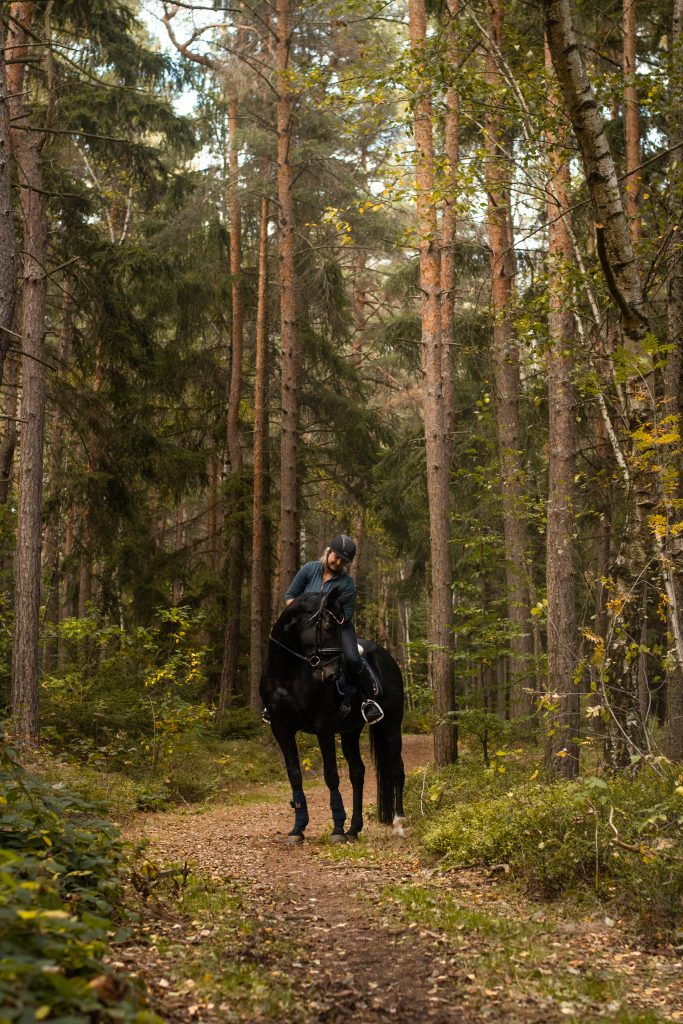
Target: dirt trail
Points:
(318, 924)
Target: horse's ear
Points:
(333, 595)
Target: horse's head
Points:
(311, 628)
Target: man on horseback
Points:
(319, 577)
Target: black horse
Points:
(299, 688)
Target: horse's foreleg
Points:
(351, 749)
(287, 742)
(328, 750)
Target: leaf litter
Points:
(310, 934)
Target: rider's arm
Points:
(348, 598)
(298, 584)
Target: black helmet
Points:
(344, 547)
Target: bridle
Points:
(315, 660)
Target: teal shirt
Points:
(309, 579)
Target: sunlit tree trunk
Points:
(561, 746)
(436, 447)
(259, 548)
(505, 358)
(27, 150)
(288, 544)
(449, 225)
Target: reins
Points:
(314, 660)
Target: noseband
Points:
(315, 660)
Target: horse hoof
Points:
(351, 837)
(398, 826)
(338, 837)
(295, 839)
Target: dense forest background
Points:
(411, 272)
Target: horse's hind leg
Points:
(288, 746)
(351, 749)
(328, 750)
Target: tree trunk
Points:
(10, 408)
(288, 547)
(505, 359)
(615, 248)
(259, 565)
(235, 513)
(618, 259)
(449, 226)
(53, 531)
(436, 447)
(561, 746)
(673, 383)
(8, 243)
(631, 127)
(27, 146)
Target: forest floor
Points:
(369, 932)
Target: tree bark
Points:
(673, 382)
(27, 147)
(561, 746)
(259, 547)
(619, 261)
(288, 548)
(626, 734)
(505, 358)
(8, 243)
(631, 125)
(436, 447)
(235, 514)
(449, 225)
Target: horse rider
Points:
(320, 576)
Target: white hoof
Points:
(398, 826)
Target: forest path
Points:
(311, 933)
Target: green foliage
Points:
(60, 891)
(621, 838)
(126, 697)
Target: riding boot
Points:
(369, 685)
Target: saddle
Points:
(347, 689)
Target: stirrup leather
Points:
(372, 703)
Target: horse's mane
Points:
(307, 603)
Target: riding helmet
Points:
(344, 547)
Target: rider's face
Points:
(334, 562)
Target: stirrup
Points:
(265, 716)
(372, 709)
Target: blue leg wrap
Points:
(300, 810)
(337, 807)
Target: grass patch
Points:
(504, 954)
(226, 953)
(197, 770)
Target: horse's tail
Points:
(380, 749)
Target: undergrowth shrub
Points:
(60, 893)
(622, 838)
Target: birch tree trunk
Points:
(626, 735)
(288, 549)
(436, 447)
(505, 358)
(561, 746)
(259, 603)
(27, 148)
(8, 244)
